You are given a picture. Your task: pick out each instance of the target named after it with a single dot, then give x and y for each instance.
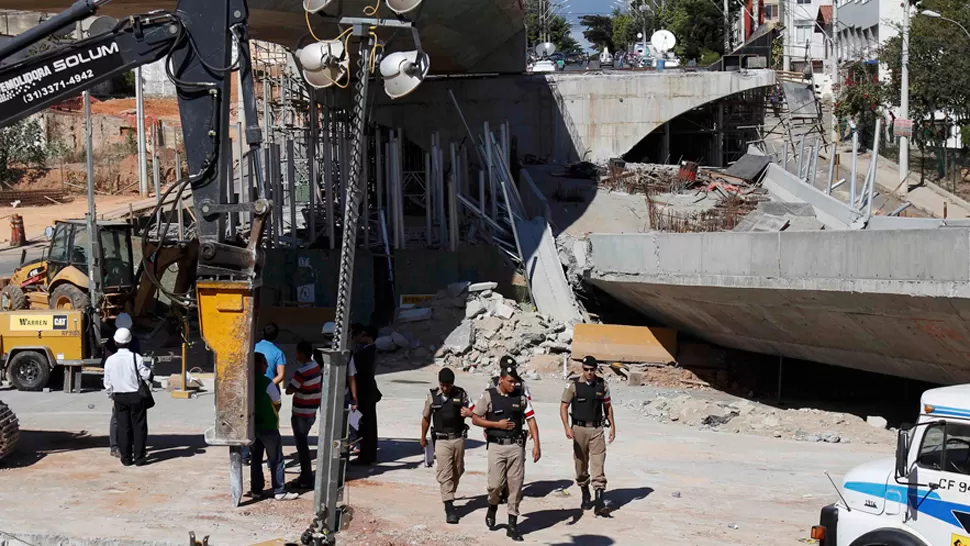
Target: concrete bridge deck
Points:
(893, 302)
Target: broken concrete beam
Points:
(461, 339)
(617, 343)
(385, 344)
(414, 315)
(482, 286)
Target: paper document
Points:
(355, 419)
(429, 455)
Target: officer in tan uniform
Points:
(503, 412)
(445, 411)
(588, 398)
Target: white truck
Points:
(920, 498)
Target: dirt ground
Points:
(36, 219)
(669, 483)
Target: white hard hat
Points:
(329, 328)
(123, 320)
(122, 336)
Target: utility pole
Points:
(140, 125)
(904, 103)
(785, 33)
(727, 29)
(835, 67)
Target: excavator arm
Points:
(198, 39)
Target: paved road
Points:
(671, 484)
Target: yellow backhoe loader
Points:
(59, 280)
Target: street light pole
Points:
(835, 66)
(935, 15)
(904, 104)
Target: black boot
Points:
(587, 500)
(600, 505)
(490, 516)
(513, 531)
(450, 515)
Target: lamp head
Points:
(403, 71)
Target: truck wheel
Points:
(9, 430)
(887, 537)
(29, 371)
(68, 296)
(12, 298)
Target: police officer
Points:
(445, 411)
(503, 413)
(520, 388)
(588, 397)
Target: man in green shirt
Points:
(267, 426)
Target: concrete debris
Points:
(503, 311)
(475, 335)
(385, 344)
(461, 339)
(876, 421)
(482, 286)
(473, 309)
(710, 411)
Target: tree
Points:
(21, 143)
(560, 31)
(599, 30)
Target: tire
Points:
(29, 371)
(68, 296)
(9, 430)
(12, 298)
(887, 537)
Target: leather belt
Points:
(452, 436)
(506, 441)
(591, 424)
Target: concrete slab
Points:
(891, 302)
(618, 343)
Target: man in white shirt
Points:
(123, 373)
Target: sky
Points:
(585, 7)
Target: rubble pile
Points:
(469, 327)
(747, 417)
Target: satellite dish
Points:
(101, 25)
(545, 49)
(403, 71)
(324, 63)
(663, 40)
(401, 7)
(313, 6)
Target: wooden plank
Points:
(618, 343)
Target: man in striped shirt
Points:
(305, 388)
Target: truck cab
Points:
(921, 497)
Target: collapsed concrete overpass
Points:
(894, 302)
(467, 36)
(565, 116)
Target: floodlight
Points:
(401, 7)
(324, 63)
(313, 6)
(403, 71)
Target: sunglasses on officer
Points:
(589, 369)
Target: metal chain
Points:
(352, 210)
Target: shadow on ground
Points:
(35, 445)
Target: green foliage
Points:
(21, 144)
(698, 26)
(939, 70)
(599, 30)
(124, 84)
